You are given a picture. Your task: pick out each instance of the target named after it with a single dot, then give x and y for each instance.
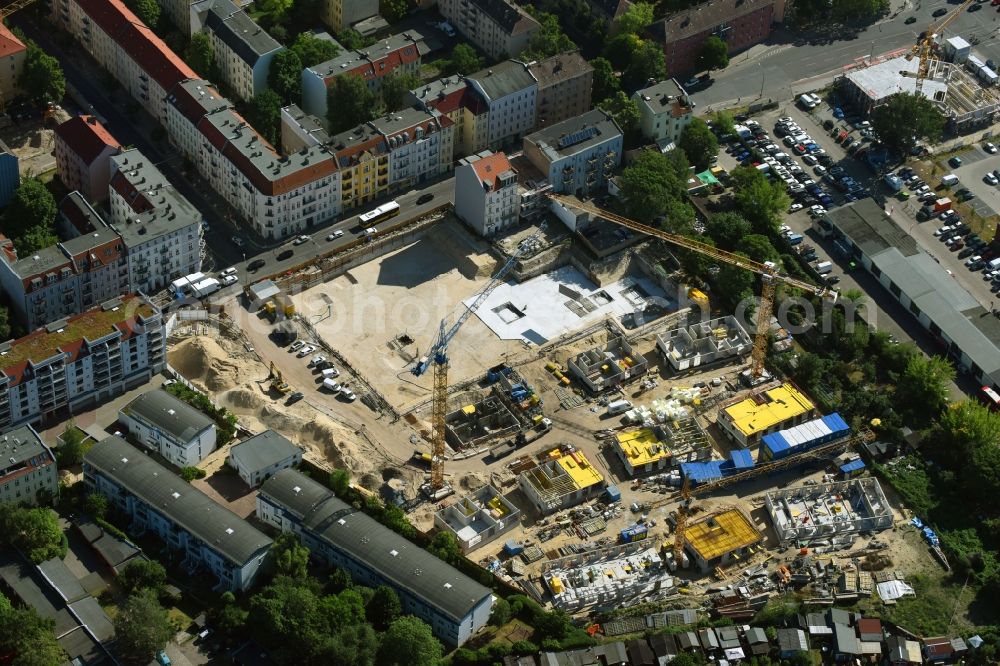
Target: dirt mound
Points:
(240, 399)
(204, 361)
(472, 482)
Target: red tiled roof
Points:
(9, 43)
(136, 200)
(376, 68)
(136, 39)
(86, 137)
(489, 168)
(376, 144)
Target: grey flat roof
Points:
(62, 580)
(504, 78)
(40, 261)
(169, 414)
(663, 95)
(79, 645)
(396, 559)
(884, 79)
(263, 450)
(865, 223)
(792, 639)
(21, 444)
(215, 525)
(113, 550)
(167, 211)
(594, 128)
(24, 581)
(88, 241)
(92, 616)
(560, 67)
(239, 32)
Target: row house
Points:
(421, 146)
(243, 50)
(578, 155)
(188, 16)
(565, 84)
(83, 156)
(139, 60)
(84, 360)
(452, 97)
(160, 229)
(511, 96)
(499, 27)
(398, 55)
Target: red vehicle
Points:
(990, 397)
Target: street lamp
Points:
(761, 65)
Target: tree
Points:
(922, 390)
(727, 229)
(714, 54)
(356, 644)
(548, 40)
(35, 532)
(141, 627)
(353, 40)
(699, 144)
(852, 10)
(230, 619)
(624, 110)
(96, 504)
(147, 11)
(647, 64)
(621, 49)
(32, 206)
(393, 10)
(200, 54)
(285, 76)
(758, 248)
(635, 19)
(277, 9)
(34, 239)
(27, 638)
(733, 283)
(4, 323)
(465, 60)
(340, 482)
(312, 50)
(350, 103)
(759, 200)
(70, 451)
(42, 76)
(648, 184)
(409, 642)
(141, 574)
(905, 119)
(307, 12)
(501, 614)
(723, 121)
(264, 114)
(189, 474)
(606, 83)
(384, 607)
(291, 558)
(396, 89)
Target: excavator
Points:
(277, 382)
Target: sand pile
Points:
(239, 400)
(203, 361)
(472, 482)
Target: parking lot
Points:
(975, 164)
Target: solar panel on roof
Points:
(577, 137)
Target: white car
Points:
(989, 147)
(316, 360)
(237, 241)
(336, 234)
(794, 207)
(301, 239)
(332, 386)
(809, 159)
(990, 179)
(819, 170)
(295, 345)
(347, 394)
(973, 259)
(229, 271)
(228, 280)
(938, 232)
(330, 373)
(305, 351)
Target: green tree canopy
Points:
(646, 64)
(547, 40)
(350, 103)
(5, 329)
(409, 642)
(624, 110)
(905, 119)
(383, 608)
(727, 229)
(393, 10)
(340, 482)
(699, 144)
(32, 206)
(923, 387)
(714, 54)
(70, 450)
(200, 54)
(353, 40)
(263, 112)
(649, 184)
(276, 9)
(312, 50)
(759, 200)
(733, 283)
(147, 11)
(635, 19)
(465, 59)
(606, 84)
(96, 504)
(758, 248)
(396, 90)
(141, 627)
(621, 49)
(852, 10)
(141, 574)
(291, 558)
(723, 120)
(285, 76)
(27, 638)
(42, 76)
(35, 532)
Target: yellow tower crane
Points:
(925, 45)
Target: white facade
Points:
(175, 430)
(665, 110)
(486, 193)
(578, 155)
(511, 95)
(27, 467)
(421, 146)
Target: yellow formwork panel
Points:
(641, 447)
(723, 533)
(580, 470)
(784, 402)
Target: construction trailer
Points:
(828, 510)
(706, 343)
(563, 479)
(478, 518)
(607, 367)
(720, 539)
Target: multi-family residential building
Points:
(498, 27)
(10, 174)
(64, 279)
(511, 96)
(665, 110)
(565, 84)
(300, 130)
(189, 16)
(257, 459)
(160, 229)
(83, 156)
(578, 155)
(421, 146)
(342, 14)
(13, 53)
(362, 156)
(452, 97)
(399, 54)
(453, 605)
(740, 23)
(278, 195)
(243, 50)
(27, 467)
(81, 361)
(177, 431)
(486, 193)
(125, 47)
(210, 537)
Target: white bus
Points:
(383, 212)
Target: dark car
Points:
(939, 12)
(828, 124)
(967, 252)
(255, 264)
(285, 254)
(955, 162)
(424, 198)
(825, 160)
(910, 19)
(975, 8)
(295, 397)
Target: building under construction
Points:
(479, 423)
(652, 449)
(720, 340)
(478, 518)
(829, 511)
(563, 479)
(609, 366)
(764, 410)
(721, 539)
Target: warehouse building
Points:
(564, 479)
(478, 518)
(764, 411)
(721, 539)
(454, 605)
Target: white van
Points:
(824, 267)
(618, 407)
(949, 180)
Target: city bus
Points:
(383, 212)
(990, 398)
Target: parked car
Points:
(229, 271)
(295, 397)
(254, 265)
(955, 162)
(990, 148)
(305, 351)
(285, 254)
(316, 360)
(990, 179)
(228, 280)
(299, 240)
(336, 234)
(296, 345)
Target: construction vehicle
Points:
(438, 355)
(925, 46)
(422, 458)
(277, 382)
(767, 270)
(280, 307)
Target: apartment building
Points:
(243, 50)
(578, 155)
(511, 96)
(665, 110)
(498, 27)
(421, 146)
(740, 23)
(81, 361)
(342, 14)
(452, 97)
(277, 195)
(27, 467)
(565, 84)
(208, 536)
(83, 156)
(10, 174)
(160, 229)
(486, 193)
(13, 53)
(66, 278)
(300, 130)
(177, 431)
(125, 47)
(257, 459)
(453, 605)
(398, 54)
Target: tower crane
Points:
(438, 356)
(767, 270)
(922, 49)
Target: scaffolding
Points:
(609, 578)
(564, 479)
(828, 511)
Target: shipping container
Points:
(613, 494)
(634, 533)
(942, 204)
(512, 548)
(800, 438)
